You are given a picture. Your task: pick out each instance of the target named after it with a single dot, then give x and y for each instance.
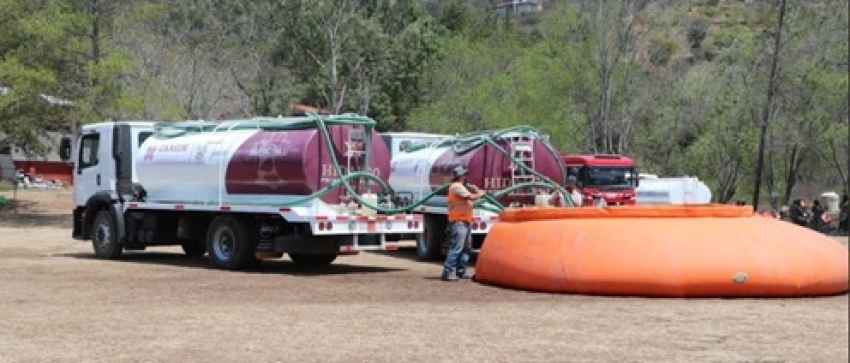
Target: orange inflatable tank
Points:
(671, 251)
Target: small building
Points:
(49, 166)
(517, 8)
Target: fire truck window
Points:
(88, 151)
(608, 176)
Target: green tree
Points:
(60, 52)
(606, 34)
(364, 56)
(811, 134)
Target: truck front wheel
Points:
(104, 237)
(231, 243)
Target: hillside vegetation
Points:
(682, 86)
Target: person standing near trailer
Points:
(818, 211)
(460, 198)
(573, 191)
(799, 214)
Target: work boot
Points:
(449, 278)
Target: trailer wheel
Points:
(104, 238)
(230, 243)
(194, 247)
(312, 259)
(429, 243)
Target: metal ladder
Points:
(522, 151)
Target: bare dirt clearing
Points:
(58, 303)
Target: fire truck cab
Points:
(603, 178)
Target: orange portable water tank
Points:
(669, 251)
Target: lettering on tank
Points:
(173, 148)
(329, 174)
(493, 185)
(496, 184)
(174, 154)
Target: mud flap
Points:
(118, 215)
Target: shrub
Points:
(661, 50)
(5, 185)
(697, 31)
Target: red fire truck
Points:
(603, 177)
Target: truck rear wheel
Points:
(231, 243)
(104, 237)
(429, 244)
(312, 259)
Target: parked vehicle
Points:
(515, 167)
(603, 178)
(242, 190)
(672, 190)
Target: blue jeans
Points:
(460, 246)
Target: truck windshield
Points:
(607, 176)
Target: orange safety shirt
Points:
(460, 208)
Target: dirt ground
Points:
(57, 303)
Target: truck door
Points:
(95, 169)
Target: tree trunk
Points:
(794, 161)
(771, 92)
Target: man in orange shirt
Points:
(460, 198)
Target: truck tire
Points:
(312, 259)
(231, 243)
(194, 247)
(429, 244)
(104, 238)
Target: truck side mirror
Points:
(65, 149)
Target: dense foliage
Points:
(679, 85)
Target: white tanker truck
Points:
(242, 190)
(671, 190)
(515, 167)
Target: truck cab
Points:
(607, 176)
(103, 167)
